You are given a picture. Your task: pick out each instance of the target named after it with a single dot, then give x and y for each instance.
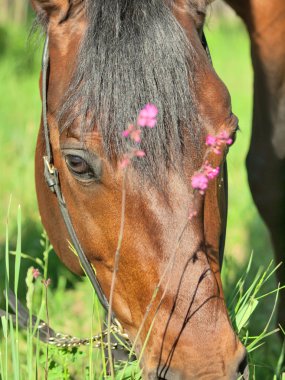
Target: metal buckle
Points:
(50, 174)
(118, 328)
(48, 165)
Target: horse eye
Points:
(78, 166)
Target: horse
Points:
(266, 157)
(104, 60)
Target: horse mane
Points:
(134, 52)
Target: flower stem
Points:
(114, 276)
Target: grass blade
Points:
(16, 283)
(14, 350)
(7, 275)
(1, 366)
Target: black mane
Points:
(134, 52)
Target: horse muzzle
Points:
(241, 373)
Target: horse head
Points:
(107, 58)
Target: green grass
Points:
(69, 305)
(23, 356)
(19, 120)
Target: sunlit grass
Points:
(19, 119)
(23, 356)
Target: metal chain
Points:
(48, 335)
(68, 341)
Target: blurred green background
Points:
(20, 110)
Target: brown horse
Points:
(107, 58)
(265, 22)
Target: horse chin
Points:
(178, 375)
(172, 374)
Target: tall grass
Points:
(19, 118)
(24, 356)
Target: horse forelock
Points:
(134, 52)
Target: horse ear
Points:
(50, 8)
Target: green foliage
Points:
(3, 40)
(244, 302)
(60, 360)
(130, 372)
(22, 355)
(19, 118)
(19, 52)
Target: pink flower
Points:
(147, 116)
(211, 140)
(36, 273)
(133, 133)
(136, 135)
(127, 157)
(46, 282)
(224, 136)
(192, 214)
(139, 153)
(200, 182)
(124, 162)
(211, 172)
(128, 131)
(217, 149)
(216, 141)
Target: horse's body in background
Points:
(108, 58)
(265, 22)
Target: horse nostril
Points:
(243, 368)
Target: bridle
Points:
(52, 179)
(225, 177)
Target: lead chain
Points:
(67, 341)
